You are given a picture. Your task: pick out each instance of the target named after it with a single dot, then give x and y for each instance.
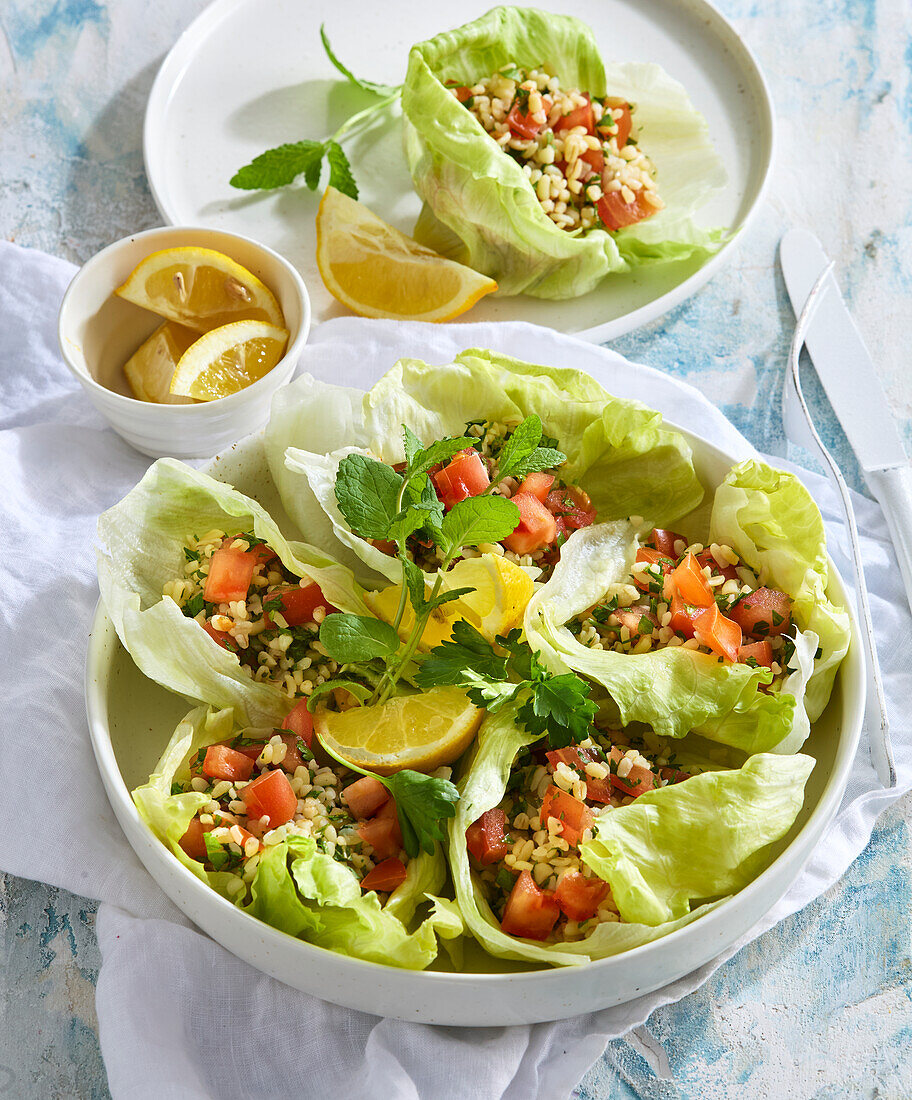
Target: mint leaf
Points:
(422, 802)
(439, 451)
(406, 522)
(350, 638)
(364, 85)
(522, 453)
(215, 853)
(280, 166)
(467, 649)
(478, 519)
(542, 458)
(367, 492)
(340, 173)
(432, 506)
(414, 580)
(360, 692)
(411, 444)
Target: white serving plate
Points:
(131, 718)
(250, 74)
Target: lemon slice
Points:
(502, 590)
(228, 359)
(150, 369)
(379, 272)
(421, 731)
(200, 288)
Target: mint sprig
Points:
(523, 452)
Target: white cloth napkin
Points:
(179, 1016)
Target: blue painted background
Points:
(819, 1007)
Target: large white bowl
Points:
(131, 718)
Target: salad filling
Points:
(579, 153)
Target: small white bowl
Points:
(98, 332)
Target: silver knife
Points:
(847, 374)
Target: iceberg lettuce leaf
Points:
(707, 836)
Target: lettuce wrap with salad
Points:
(277, 834)
(176, 558)
(735, 640)
(552, 440)
(543, 168)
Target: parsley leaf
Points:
(349, 638)
(467, 649)
(422, 802)
(340, 173)
(559, 706)
(282, 165)
(364, 85)
(367, 492)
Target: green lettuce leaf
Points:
(140, 549)
(477, 195)
(676, 691)
(707, 836)
(770, 519)
(483, 783)
(618, 450)
(296, 888)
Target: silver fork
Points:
(799, 428)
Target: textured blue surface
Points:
(818, 1007)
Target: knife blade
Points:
(845, 369)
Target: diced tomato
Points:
(574, 815)
(261, 552)
(673, 775)
(299, 721)
(615, 213)
(761, 652)
(538, 484)
(382, 833)
(385, 546)
(292, 760)
(664, 541)
(465, 476)
(223, 638)
(365, 796)
(385, 876)
(579, 897)
(521, 123)
(638, 780)
(536, 528)
(485, 837)
(715, 630)
(691, 583)
(645, 580)
(270, 796)
(530, 912)
(683, 616)
(624, 123)
(250, 751)
(727, 571)
(632, 618)
(297, 605)
(580, 116)
(573, 505)
(763, 613)
(595, 158)
(222, 762)
(463, 93)
(230, 574)
(597, 790)
(192, 841)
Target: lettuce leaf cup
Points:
(305, 870)
(481, 206)
(582, 852)
(151, 577)
(658, 668)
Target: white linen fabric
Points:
(178, 1015)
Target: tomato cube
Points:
(485, 837)
(383, 834)
(580, 116)
(620, 127)
(230, 574)
(521, 123)
(574, 815)
(299, 721)
(222, 637)
(691, 583)
(597, 790)
(465, 476)
(536, 528)
(365, 796)
(664, 541)
(659, 566)
(683, 616)
(538, 484)
(531, 913)
(573, 505)
(761, 652)
(579, 897)
(638, 620)
(705, 557)
(270, 795)
(222, 762)
(763, 613)
(722, 635)
(638, 780)
(297, 605)
(192, 841)
(615, 213)
(385, 876)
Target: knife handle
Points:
(893, 488)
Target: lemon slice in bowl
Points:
(501, 591)
(379, 272)
(200, 288)
(151, 367)
(421, 732)
(228, 359)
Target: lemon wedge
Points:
(150, 369)
(200, 288)
(379, 272)
(421, 732)
(228, 359)
(501, 591)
